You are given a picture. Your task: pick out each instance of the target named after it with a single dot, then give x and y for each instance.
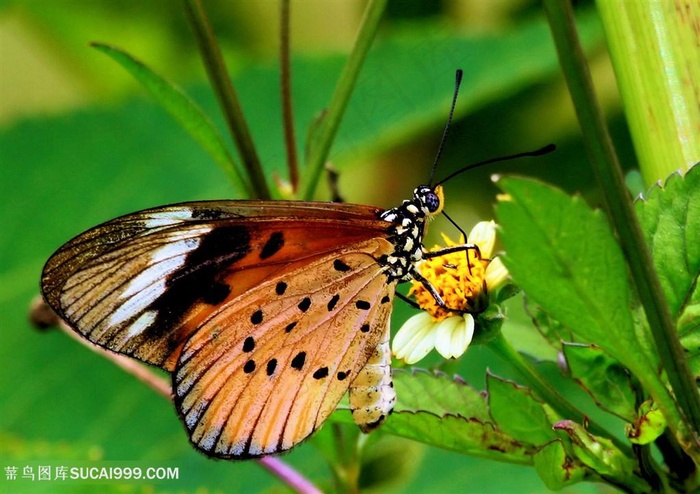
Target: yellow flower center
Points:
(459, 279)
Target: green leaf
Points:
(449, 414)
(190, 117)
(565, 258)
(603, 378)
(691, 342)
(555, 468)
(551, 330)
(517, 412)
(670, 218)
(648, 426)
(437, 393)
(463, 435)
(601, 456)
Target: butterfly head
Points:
(430, 199)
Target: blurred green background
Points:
(80, 143)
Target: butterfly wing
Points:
(266, 369)
(143, 283)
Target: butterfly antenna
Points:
(538, 152)
(458, 81)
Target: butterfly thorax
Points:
(407, 229)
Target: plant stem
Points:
(545, 391)
(609, 176)
(228, 100)
(347, 464)
(288, 475)
(127, 364)
(321, 144)
(654, 49)
(286, 97)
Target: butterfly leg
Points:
(454, 248)
(433, 291)
(408, 300)
(438, 299)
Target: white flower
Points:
(463, 280)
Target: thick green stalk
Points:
(609, 176)
(219, 78)
(321, 144)
(654, 49)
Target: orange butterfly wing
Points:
(141, 284)
(217, 293)
(265, 370)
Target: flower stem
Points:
(286, 90)
(288, 475)
(321, 144)
(610, 180)
(228, 100)
(545, 391)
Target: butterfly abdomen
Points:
(372, 395)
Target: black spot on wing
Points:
(290, 326)
(249, 366)
(364, 328)
(339, 265)
(320, 373)
(216, 293)
(199, 277)
(257, 317)
(332, 302)
(298, 360)
(272, 246)
(202, 213)
(386, 299)
(363, 305)
(281, 288)
(305, 304)
(271, 366)
(249, 344)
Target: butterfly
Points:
(265, 313)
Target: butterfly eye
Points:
(430, 199)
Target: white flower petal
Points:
(409, 329)
(484, 235)
(445, 331)
(423, 345)
(411, 336)
(453, 335)
(496, 274)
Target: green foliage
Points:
(560, 252)
(565, 258)
(556, 468)
(185, 112)
(670, 216)
(608, 382)
(564, 247)
(518, 413)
